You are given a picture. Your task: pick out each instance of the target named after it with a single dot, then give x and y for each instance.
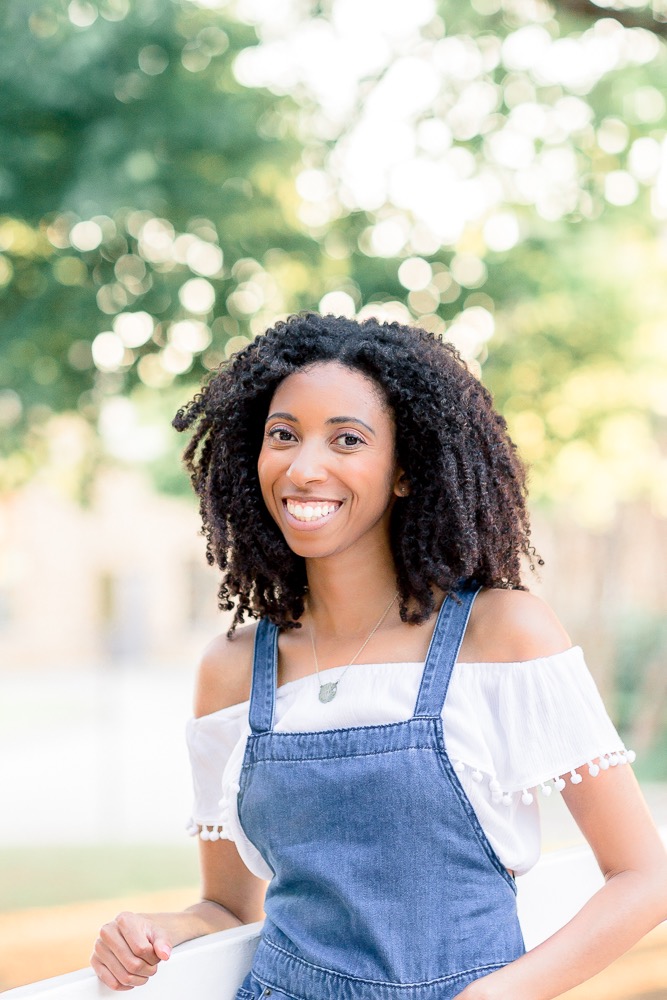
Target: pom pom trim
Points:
(501, 797)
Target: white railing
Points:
(211, 968)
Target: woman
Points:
(384, 727)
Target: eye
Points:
(281, 434)
(350, 440)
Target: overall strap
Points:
(264, 677)
(446, 641)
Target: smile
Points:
(311, 511)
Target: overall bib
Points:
(385, 885)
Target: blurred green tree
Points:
(497, 172)
(176, 174)
(140, 183)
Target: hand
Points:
(128, 951)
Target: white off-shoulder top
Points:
(512, 731)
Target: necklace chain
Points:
(328, 691)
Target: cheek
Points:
(268, 470)
(263, 471)
(375, 492)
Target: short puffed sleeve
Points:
(529, 724)
(211, 740)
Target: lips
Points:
(311, 512)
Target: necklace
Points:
(328, 691)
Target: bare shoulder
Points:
(225, 671)
(508, 626)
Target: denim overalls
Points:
(385, 885)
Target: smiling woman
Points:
(306, 450)
(404, 397)
(379, 768)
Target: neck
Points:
(348, 592)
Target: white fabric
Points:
(509, 727)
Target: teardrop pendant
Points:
(328, 691)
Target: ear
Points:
(401, 484)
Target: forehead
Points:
(329, 384)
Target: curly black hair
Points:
(464, 519)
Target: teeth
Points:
(310, 511)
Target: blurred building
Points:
(123, 579)
(126, 579)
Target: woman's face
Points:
(327, 467)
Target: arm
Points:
(614, 819)
(130, 947)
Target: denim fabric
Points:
(385, 885)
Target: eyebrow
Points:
(331, 420)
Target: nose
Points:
(307, 466)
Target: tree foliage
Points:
(134, 161)
(176, 175)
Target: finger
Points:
(112, 943)
(162, 950)
(161, 945)
(106, 977)
(128, 936)
(126, 970)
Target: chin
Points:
(307, 551)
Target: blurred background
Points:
(177, 174)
